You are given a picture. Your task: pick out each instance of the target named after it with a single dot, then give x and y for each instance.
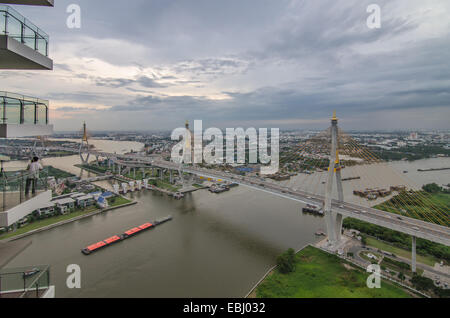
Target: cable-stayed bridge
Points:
(323, 164)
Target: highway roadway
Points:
(429, 231)
(407, 225)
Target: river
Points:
(217, 245)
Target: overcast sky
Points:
(152, 64)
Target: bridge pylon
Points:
(35, 152)
(333, 219)
(188, 158)
(84, 144)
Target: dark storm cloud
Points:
(64, 67)
(78, 96)
(273, 60)
(114, 82)
(216, 67)
(149, 82)
(71, 109)
(328, 27)
(144, 81)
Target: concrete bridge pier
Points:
(119, 169)
(134, 173)
(333, 223)
(338, 226)
(413, 258)
(171, 176)
(160, 173)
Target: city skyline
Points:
(150, 65)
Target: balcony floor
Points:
(48, 3)
(24, 130)
(15, 55)
(28, 294)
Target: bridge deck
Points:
(407, 225)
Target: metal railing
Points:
(13, 186)
(24, 282)
(18, 27)
(20, 109)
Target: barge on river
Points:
(118, 238)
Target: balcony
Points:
(23, 116)
(15, 204)
(48, 3)
(23, 46)
(26, 282)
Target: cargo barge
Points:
(118, 238)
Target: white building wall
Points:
(20, 211)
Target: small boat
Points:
(178, 195)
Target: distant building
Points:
(85, 201)
(64, 205)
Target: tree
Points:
(432, 188)
(363, 240)
(286, 261)
(422, 283)
(291, 255)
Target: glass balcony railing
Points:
(25, 282)
(19, 109)
(16, 26)
(13, 187)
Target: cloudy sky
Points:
(152, 64)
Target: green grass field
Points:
(322, 275)
(46, 222)
(119, 200)
(167, 186)
(405, 268)
(420, 206)
(59, 218)
(427, 260)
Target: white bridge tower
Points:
(333, 219)
(84, 145)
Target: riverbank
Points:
(319, 274)
(50, 223)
